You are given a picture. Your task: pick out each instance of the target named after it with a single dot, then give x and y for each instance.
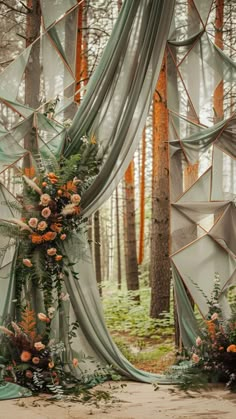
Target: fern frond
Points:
(28, 322)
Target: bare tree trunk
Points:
(118, 241)
(160, 264)
(32, 77)
(142, 200)
(97, 250)
(219, 91)
(132, 264)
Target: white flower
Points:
(68, 209)
(75, 199)
(51, 311)
(64, 296)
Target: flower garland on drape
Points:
(50, 211)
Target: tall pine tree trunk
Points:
(142, 200)
(160, 264)
(118, 241)
(32, 77)
(219, 91)
(97, 250)
(131, 252)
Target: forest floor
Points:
(131, 400)
(128, 400)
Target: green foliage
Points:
(123, 314)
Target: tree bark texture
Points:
(160, 264)
(132, 263)
(97, 250)
(142, 201)
(32, 77)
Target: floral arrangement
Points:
(213, 357)
(50, 213)
(29, 360)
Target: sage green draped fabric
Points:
(119, 95)
(113, 110)
(202, 160)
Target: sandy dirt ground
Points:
(134, 401)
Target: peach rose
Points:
(43, 317)
(75, 199)
(52, 251)
(51, 364)
(25, 356)
(195, 358)
(214, 316)
(75, 362)
(63, 236)
(45, 199)
(28, 263)
(46, 212)
(198, 341)
(28, 374)
(33, 222)
(42, 225)
(35, 360)
(58, 258)
(39, 346)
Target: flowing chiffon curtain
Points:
(119, 94)
(113, 110)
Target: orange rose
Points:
(51, 364)
(36, 238)
(75, 362)
(52, 177)
(25, 356)
(50, 235)
(58, 258)
(231, 348)
(56, 227)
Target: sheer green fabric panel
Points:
(114, 110)
(189, 329)
(119, 94)
(202, 159)
(93, 337)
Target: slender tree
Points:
(130, 227)
(118, 241)
(160, 265)
(32, 77)
(142, 200)
(218, 100)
